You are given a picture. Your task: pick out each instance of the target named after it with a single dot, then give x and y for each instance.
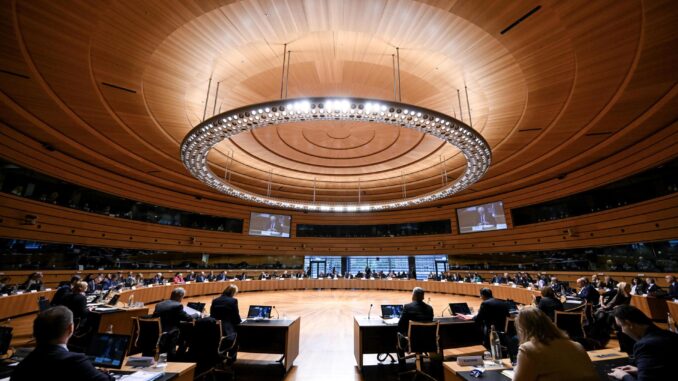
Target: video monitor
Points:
(108, 350)
(460, 309)
(270, 225)
(259, 312)
(389, 311)
(481, 218)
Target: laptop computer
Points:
(259, 313)
(107, 350)
(390, 311)
(200, 307)
(460, 309)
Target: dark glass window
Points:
(385, 230)
(36, 186)
(653, 183)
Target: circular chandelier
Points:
(201, 139)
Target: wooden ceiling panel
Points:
(118, 86)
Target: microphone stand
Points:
(442, 314)
(370, 311)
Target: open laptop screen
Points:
(108, 350)
(263, 312)
(389, 311)
(460, 308)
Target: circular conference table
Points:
(26, 303)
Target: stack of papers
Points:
(142, 375)
(392, 321)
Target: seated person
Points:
(63, 290)
(673, 286)
(546, 353)
(51, 359)
(178, 278)
(225, 308)
(77, 303)
(417, 311)
(653, 288)
(654, 351)
(171, 312)
(492, 312)
(588, 292)
(621, 297)
(549, 303)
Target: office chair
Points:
(148, 336)
(571, 322)
(210, 349)
(423, 340)
(43, 303)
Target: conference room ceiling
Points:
(118, 84)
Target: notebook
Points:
(460, 309)
(107, 350)
(391, 311)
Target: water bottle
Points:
(495, 345)
(671, 323)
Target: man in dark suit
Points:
(51, 359)
(171, 312)
(673, 286)
(492, 312)
(225, 308)
(416, 311)
(63, 290)
(654, 350)
(77, 303)
(588, 292)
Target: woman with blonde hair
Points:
(546, 353)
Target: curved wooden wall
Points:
(17, 305)
(643, 222)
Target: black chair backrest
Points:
(5, 339)
(510, 328)
(205, 340)
(460, 334)
(148, 335)
(571, 323)
(43, 303)
(423, 337)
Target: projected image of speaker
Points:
(480, 218)
(270, 225)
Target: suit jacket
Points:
(77, 303)
(655, 354)
(590, 294)
(171, 313)
(61, 292)
(549, 306)
(415, 311)
(673, 290)
(55, 363)
(492, 312)
(225, 308)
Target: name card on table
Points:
(34, 291)
(3, 294)
(19, 292)
(443, 280)
(232, 280)
(248, 279)
(496, 284)
(150, 285)
(48, 289)
(134, 287)
(514, 286)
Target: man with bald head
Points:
(51, 359)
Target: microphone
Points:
(277, 315)
(370, 311)
(446, 309)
